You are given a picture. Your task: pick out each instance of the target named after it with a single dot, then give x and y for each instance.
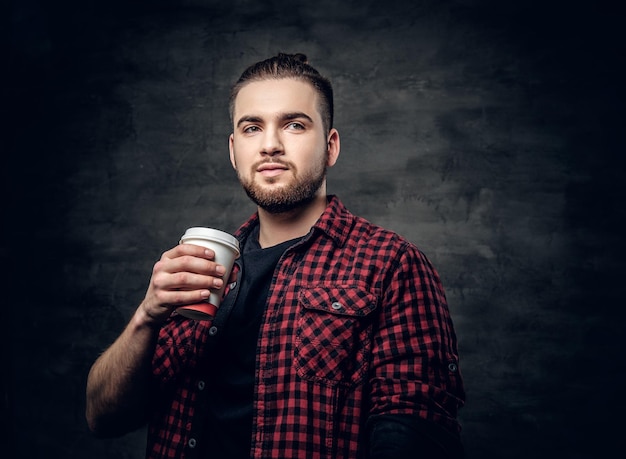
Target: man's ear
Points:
(334, 145)
(231, 149)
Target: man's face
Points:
(278, 147)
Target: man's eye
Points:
(295, 125)
(251, 129)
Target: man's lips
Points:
(271, 169)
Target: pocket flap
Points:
(345, 301)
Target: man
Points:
(334, 339)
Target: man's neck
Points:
(277, 228)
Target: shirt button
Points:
(201, 385)
(336, 305)
(453, 367)
(192, 442)
(213, 331)
(232, 285)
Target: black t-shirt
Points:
(228, 425)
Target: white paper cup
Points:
(226, 248)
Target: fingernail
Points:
(218, 283)
(220, 270)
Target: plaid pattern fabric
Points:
(356, 325)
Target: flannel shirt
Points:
(356, 325)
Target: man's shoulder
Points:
(365, 232)
(368, 233)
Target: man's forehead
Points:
(273, 93)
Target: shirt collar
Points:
(335, 222)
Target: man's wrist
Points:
(143, 319)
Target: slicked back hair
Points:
(293, 66)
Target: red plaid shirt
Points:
(356, 325)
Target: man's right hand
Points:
(183, 275)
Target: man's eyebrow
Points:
(296, 115)
(283, 116)
(248, 119)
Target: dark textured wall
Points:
(490, 133)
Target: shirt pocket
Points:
(334, 333)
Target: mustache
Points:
(279, 162)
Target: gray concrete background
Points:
(490, 133)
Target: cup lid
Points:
(211, 234)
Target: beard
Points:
(298, 193)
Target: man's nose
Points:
(272, 143)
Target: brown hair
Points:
(294, 66)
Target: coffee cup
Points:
(226, 248)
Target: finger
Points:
(166, 281)
(191, 281)
(191, 264)
(175, 298)
(191, 250)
